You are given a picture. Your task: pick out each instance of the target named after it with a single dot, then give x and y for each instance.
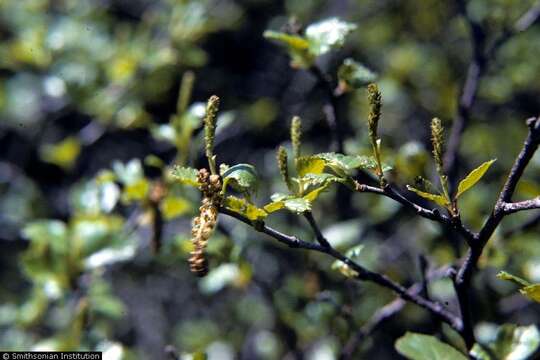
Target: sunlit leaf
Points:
(503, 275)
(245, 208)
(297, 205)
(174, 206)
(63, 154)
(532, 292)
(297, 46)
(328, 34)
(314, 194)
(437, 198)
(185, 175)
(128, 173)
(136, 191)
(474, 176)
(274, 206)
(309, 165)
(416, 346)
(316, 180)
(241, 177)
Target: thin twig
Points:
(437, 309)
(318, 234)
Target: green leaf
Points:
(473, 177)
(437, 198)
(342, 164)
(241, 177)
(353, 75)
(317, 180)
(510, 342)
(129, 172)
(328, 34)
(297, 46)
(63, 153)
(280, 196)
(242, 206)
(503, 275)
(309, 165)
(136, 191)
(297, 205)
(174, 206)
(186, 175)
(532, 292)
(274, 206)
(314, 194)
(425, 347)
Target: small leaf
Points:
(298, 48)
(503, 275)
(135, 191)
(532, 292)
(328, 34)
(186, 175)
(241, 177)
(437, 198)
(280, 196)
(242, 206)
(342, 164)
(425, 347)
(174, 206)
(353, 75)
(274, 206)
(297, 205)
(309, 165)
(316, 180)
(314, 194)
(473, 177)
(63, 153)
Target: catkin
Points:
(203, 225)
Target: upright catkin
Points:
(203, 225)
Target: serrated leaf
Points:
(328, 34)
(297, 205)
(510, 342)
(474, 176)
(309, 165)
(342, 164)
(186, 175)
(242, 206)
(316, 180)
(416, 346)
(355, 75)
(437, 198)
(532, 292)
(241, 177)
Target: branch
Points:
(464, 275)
(318, 234)
(512, 207)
(434, 214)
(364, 274)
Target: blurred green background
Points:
(90, 115)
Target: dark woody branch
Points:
(437, 309)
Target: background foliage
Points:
(91, 111)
